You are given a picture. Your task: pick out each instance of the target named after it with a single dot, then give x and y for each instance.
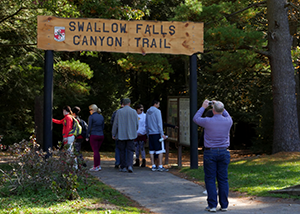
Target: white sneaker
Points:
(211, 209)
(162, 169)
(95, 169)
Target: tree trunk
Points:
(293, 31)
(286, 134)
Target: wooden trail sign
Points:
(108, 35)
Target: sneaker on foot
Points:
(223, 209)
(95, 169)
(162, 169)
(123, 170)
(154, 168)
(130, 169)
(211, 209)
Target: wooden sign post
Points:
(62, 34)
(108, 35)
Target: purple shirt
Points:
(216, 128)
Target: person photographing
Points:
(216, 156)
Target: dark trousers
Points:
(126, 148)
(117, 154)
(77, 146)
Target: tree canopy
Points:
(234, 68)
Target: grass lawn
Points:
(94, 198)
(258, 175)
(97, 198)
(254, 175)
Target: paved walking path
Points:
(165, 193)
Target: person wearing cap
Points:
(216, 156)
(125, 131)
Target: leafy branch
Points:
(12, 15)
(265, 53)
(11, 45)
(292, 5)
(246, 8)
(239, 11)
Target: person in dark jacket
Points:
(95, 134)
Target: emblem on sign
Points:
(59, 34)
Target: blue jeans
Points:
(140, 145)
(117, 154)
(216, 166)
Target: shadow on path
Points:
(165, 193)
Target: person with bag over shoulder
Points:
(67, 122)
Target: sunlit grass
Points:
(259, 175)
(95, 197)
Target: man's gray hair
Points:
(126, 101)
(218, 107)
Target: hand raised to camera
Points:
(205, 104)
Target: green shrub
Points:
(33, 170)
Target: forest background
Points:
(236, 67)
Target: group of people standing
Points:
(93, 132)
(130, 130)
(131, 127)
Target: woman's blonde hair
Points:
(95, 108)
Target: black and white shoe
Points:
(162, 169)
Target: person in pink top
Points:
(67, 122)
